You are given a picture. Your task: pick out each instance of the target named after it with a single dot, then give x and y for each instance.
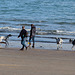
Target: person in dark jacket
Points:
(23, 35)
(32, 35)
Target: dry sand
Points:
(36, 62)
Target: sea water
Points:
(52, 18)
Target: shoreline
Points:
(48, 46)
(36, 62)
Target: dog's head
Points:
(9, 35)
(71, 40)
(57, 39)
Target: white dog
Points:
(59, 42)
(4, 39)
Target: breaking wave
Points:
(38, 31)
(55, 32)
(11, 29)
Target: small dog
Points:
(4, 39)
(59, 42)
(73, 43)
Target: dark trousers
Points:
(33, 40)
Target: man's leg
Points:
(29, 41)
(33, 38)
(23, 43)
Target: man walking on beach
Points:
(23, 35)
(32, 35)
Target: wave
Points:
(30, 25)
(6, 29)
(38, 31)
(9, 28)
(27, 20)
(55, 32)
(62, 23)
(66, 32)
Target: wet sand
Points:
(36, 62)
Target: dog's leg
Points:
(57, 46)
(61, 45)
(73, 47)
(7, 43)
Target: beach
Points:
(52, 19)
(36, 62)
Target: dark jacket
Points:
(33, 31)
(23, 33)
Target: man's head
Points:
(23, 27)
(32, 25)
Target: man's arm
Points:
(19, 35)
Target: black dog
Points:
(73, 43)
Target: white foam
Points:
(39, 31)
(12, 29)
(65, 32)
